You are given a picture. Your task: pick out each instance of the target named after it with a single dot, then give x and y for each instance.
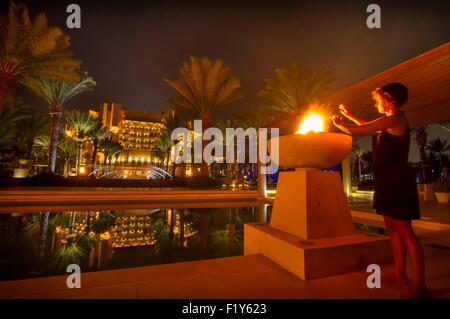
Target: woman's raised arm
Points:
(345, 112)
(370, 128)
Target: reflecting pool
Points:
(34, 244)
(45, 243)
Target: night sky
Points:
(130, 46)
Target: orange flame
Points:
(313, 122)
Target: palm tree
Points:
(163, 147)
(56, 93)
(256, 117)
(358, 151)
(67, 150)
(42, 141)
(81, 123)
(30, 48)
(438, 147)
(421, 140)
(203, 87)
(110, 149)
(295, 87)
(445, 126)
(30, 128)
(223, 125)
(97, 134)
(367, 158)
(10, 117)
(78, 245)
(184, 118)
(44, 218)
(174, 118)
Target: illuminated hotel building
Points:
(137, 132)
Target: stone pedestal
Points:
(311, 204)
(311, 232)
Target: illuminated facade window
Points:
(136, 131)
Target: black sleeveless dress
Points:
(396, 193)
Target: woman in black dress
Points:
(395, 195)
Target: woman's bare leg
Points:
(416, 257)
(398, 252)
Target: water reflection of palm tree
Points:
(232, 226)
(76, 243)
(203, 230)
(161, 233)
(181, 232)
(42, 241)
(17, 252)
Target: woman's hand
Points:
(337, 120)
(344, 111)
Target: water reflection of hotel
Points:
(128, 230)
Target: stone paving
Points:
(251, 276)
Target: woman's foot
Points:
(395, 279)
(415, 293)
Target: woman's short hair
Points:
(395, 93)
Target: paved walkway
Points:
(252, 276)
(431, 211)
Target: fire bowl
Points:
(312, 150)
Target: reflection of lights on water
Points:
(311, 123)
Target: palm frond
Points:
(31, 47)
(295, 87)
(110, 147)
(98, 133)
(445, 125)
(102, 222)
(204, 85)
(71, 253)
(56, 91)
(80, 122)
